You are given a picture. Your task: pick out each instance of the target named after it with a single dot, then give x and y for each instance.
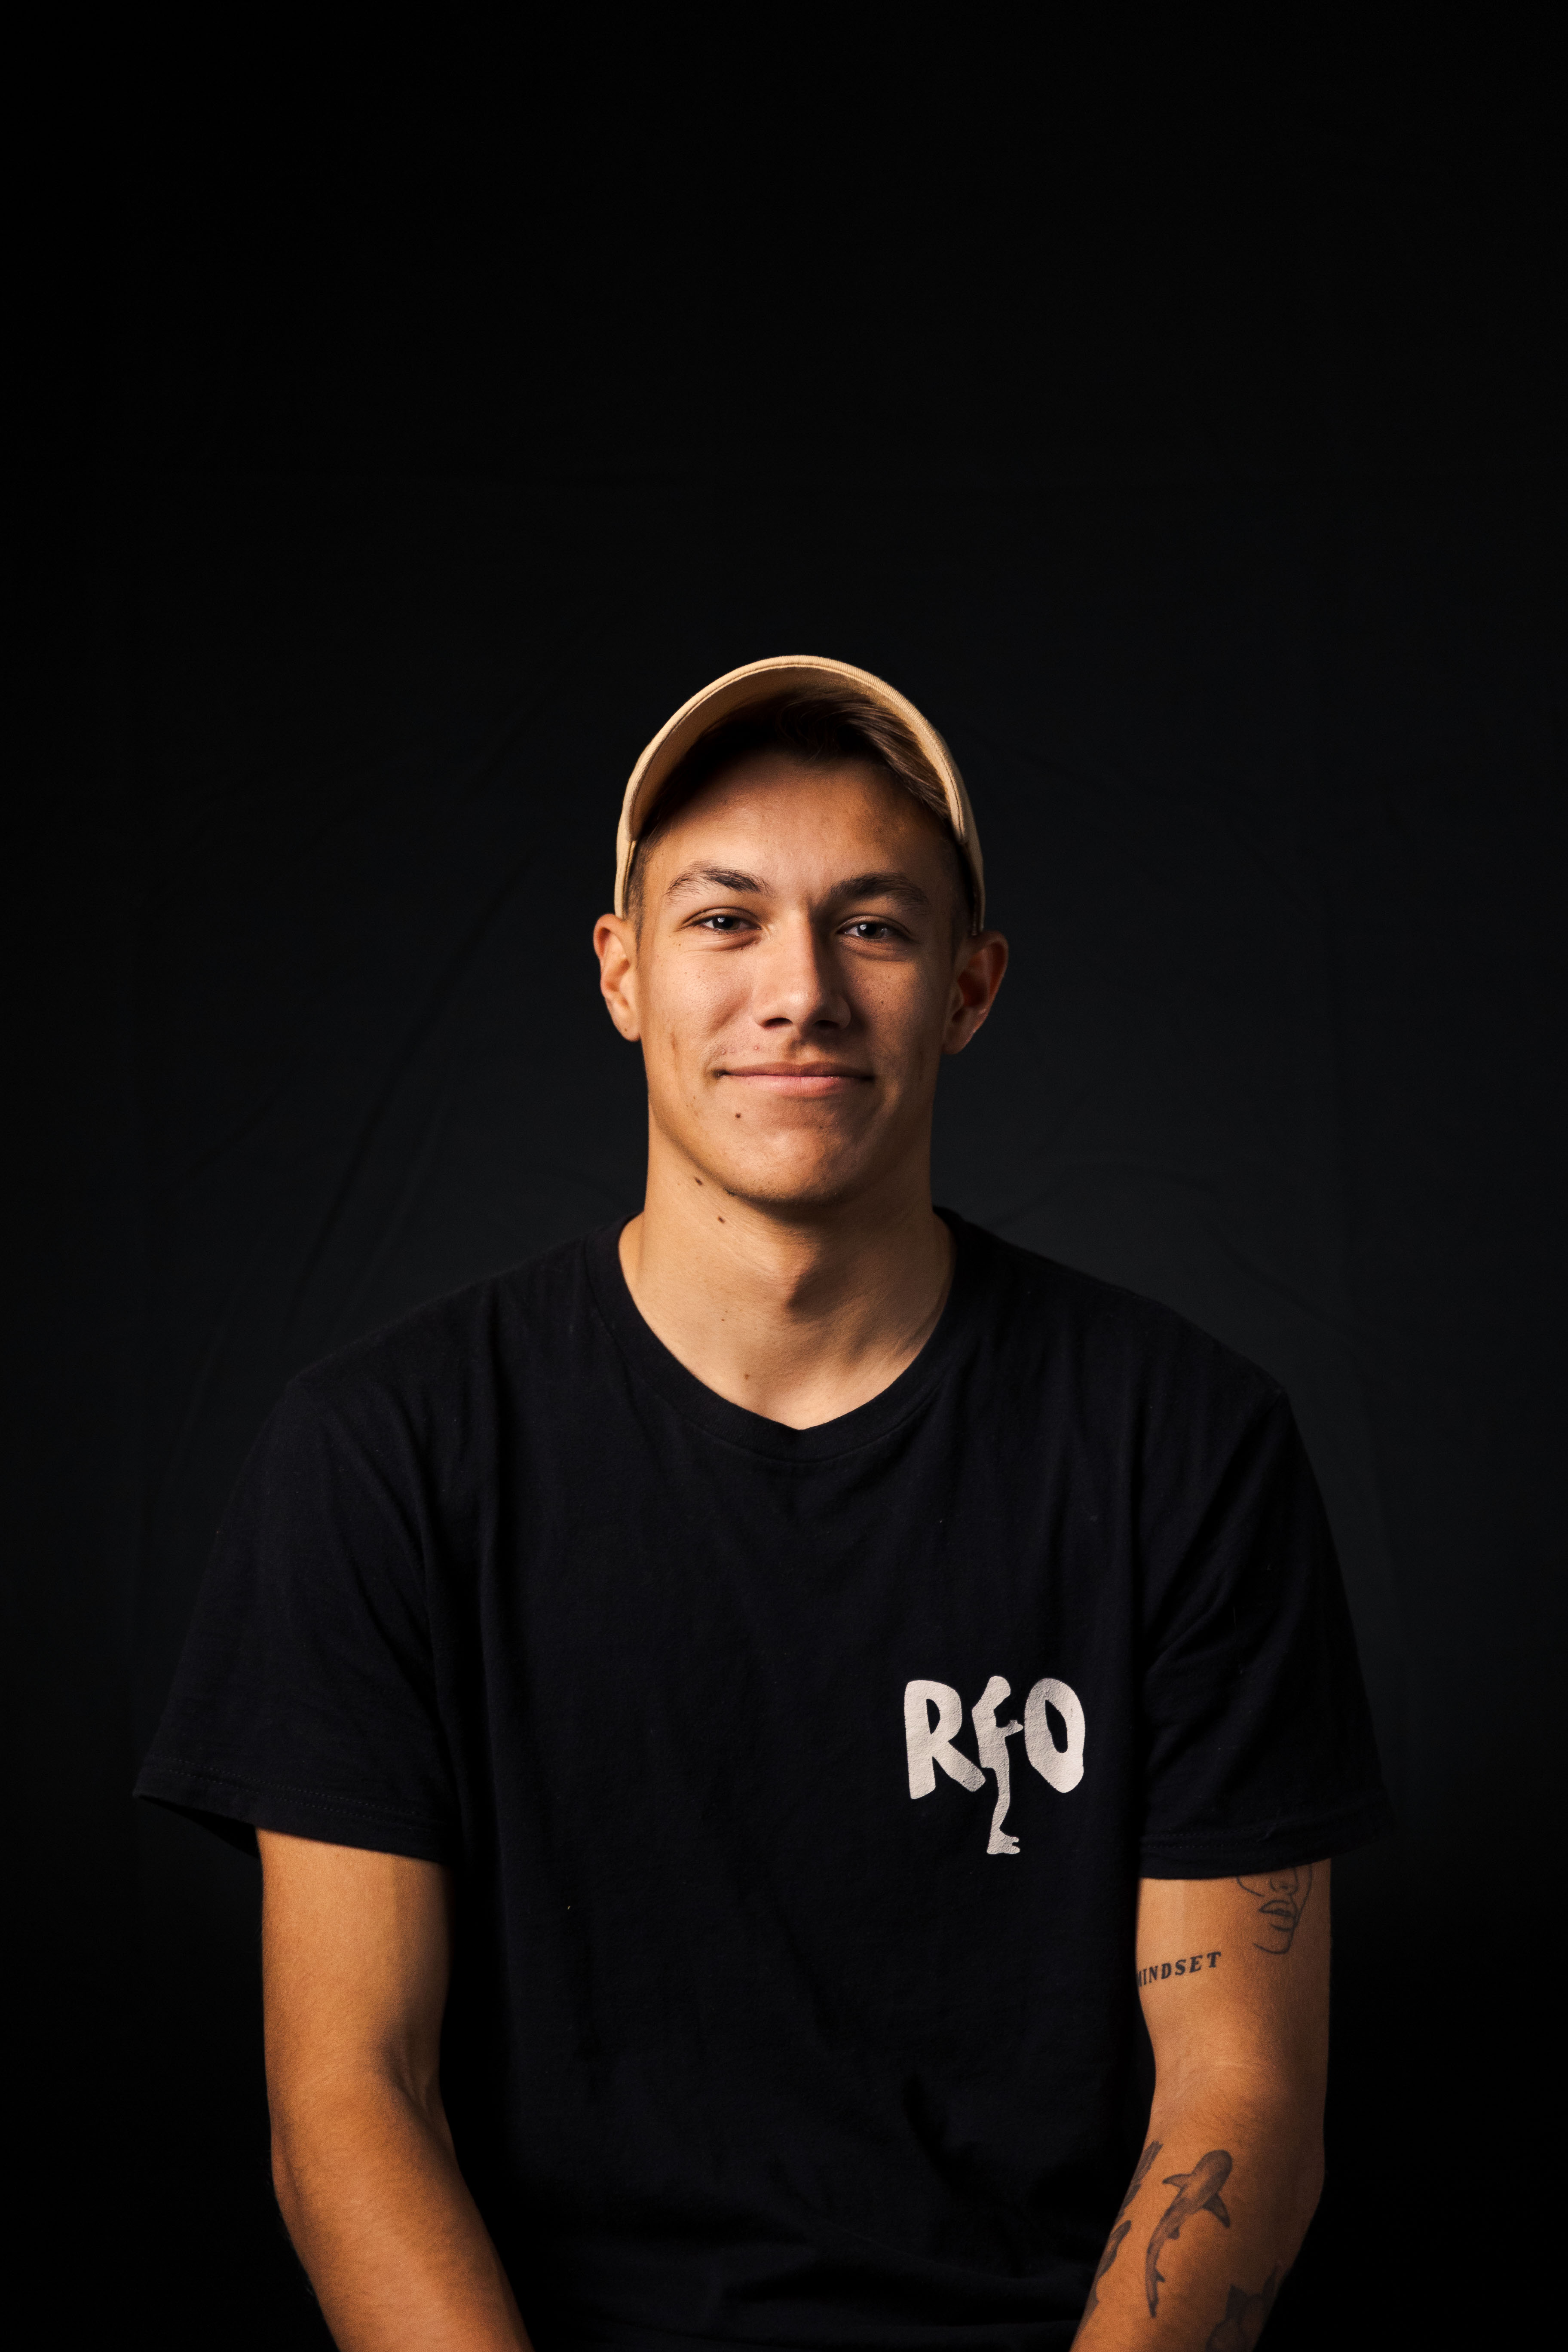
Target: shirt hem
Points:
(235, 1809)
(1283, 1843)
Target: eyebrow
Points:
(713, 878)
(888, 885)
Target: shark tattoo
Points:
(1196, 2193)
(1114, 2243)
(1244, 2314)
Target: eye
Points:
(873, 927)
(722, 924)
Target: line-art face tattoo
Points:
(1281, 1898)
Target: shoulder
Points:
(520, 1326)
(1051, 1321)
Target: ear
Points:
(616, 945)
(983, 961)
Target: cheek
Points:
(906, 1005)
(689, 1005)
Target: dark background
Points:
(1183, 433)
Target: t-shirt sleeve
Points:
(305, 1699)
(1260, 1749)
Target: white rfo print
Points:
(930, 1743)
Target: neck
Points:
(797, 1314)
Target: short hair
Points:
(816, 727)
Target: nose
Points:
(795, 983)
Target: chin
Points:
(776, 1183)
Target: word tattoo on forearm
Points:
(1197, 2191)
(1244, 2314)
(1114, 2243)
(1191, 1966)
(1281, 1897)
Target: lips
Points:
(808, 1079)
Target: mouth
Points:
(1285, 1912)
(798, 1080)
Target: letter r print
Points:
(931, 1744)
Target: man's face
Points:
(796, 980)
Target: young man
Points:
(739, 1712)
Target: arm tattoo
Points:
(1196, 2193)
(1190, 1964)
(1281, 1897)
(1244, 2314)
(1114, 2243)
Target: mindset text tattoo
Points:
(1281, 1897)
(1244, 2314)
(1191, 1966)
(1114, 2243)
(1197, 2191)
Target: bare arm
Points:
(1234, 1978)
(355, 1955)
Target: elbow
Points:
(1306, 2188)
(307, 2152)
(286, 2183)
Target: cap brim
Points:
(760, 682)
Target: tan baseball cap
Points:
(760, 682)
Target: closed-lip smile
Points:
(808, 1079)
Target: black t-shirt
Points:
(797, 1782)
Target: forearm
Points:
(383, 2221)
(1215, 2216)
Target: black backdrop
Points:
(1190, 457)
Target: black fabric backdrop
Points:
(1195, 469)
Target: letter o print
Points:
(1062, 1767)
